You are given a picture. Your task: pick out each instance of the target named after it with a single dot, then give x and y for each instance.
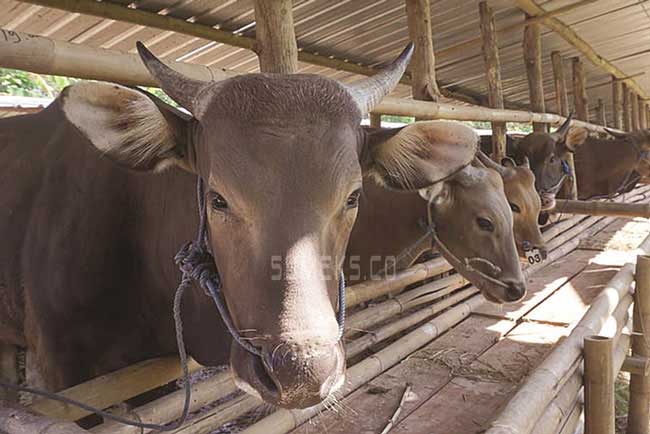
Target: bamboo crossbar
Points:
(43, 55)
(603, 208)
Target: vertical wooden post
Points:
(617, 103)
(423, 64)
(599, 385)
(643, 119)
(561, 98)
(375, 120)
(601, 116)
(634, 102)
(275, 37)
(627, 119)
(580, 90)
(638, 416)
(493, 74)
(8, 371)
(532, 47)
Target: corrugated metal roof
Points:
(370, 32)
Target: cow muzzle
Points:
(289, 375)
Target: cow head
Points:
(525, 203)
(282, 158)
(640, 140)
(475, 229)
(547, 153)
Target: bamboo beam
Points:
(493, 75)
(18, 420)
(43, 55)
(375, 120)
(599, 385)
(613, 209)
(275, 38)
(423, 63)
(634, 102)
(579, 90)
(561, 98)
(601, 115)
(617, 103)
(627, 108)
(636, 365)
(532, 48)
(569, 35)
(638, 419)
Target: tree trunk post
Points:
(561, 98)
(532, 47)
(601, 116)
(493, 74)
(638, 416)
(275, 44)
(634, 102)
(617, 103)
(580, 90)
(423, 64)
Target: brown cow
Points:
(86, 271)
(605, 167)
(468, 212)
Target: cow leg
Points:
(9, 371)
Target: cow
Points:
(605, 167)
(471, 214)
(99, 193)
(547, 154)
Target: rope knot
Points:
(195, 262)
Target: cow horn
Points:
(616, 134)
(181, 89)
(368, 92)
(488, 162)
(564, 129)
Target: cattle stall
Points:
(425, 351)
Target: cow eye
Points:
(514, 207)
(353, 199)
(485, 224)
(217, 201)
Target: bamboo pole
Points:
(114, 387)
(283, 420)
(275, 42)
(599, 385)
(493, 76)
(636, 365)
(375, 120)
(617, 103)
(8, 371)
(35, 54)
(528, 404)
(18, 420)
(579, 90)
(423, 63)
(627, 109)
(634, 102)
(559, 81)
(532, 48)
(602, 208)
(638, 420)
(569, 35)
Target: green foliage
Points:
(21, 83)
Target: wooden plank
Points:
(541, 286)
(471, 400)
(427, 370)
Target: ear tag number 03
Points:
(533, 256)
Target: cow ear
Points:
(131, 127)
(418, 155)
(575, 138)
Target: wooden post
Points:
(638, 419)
(8, 371)
(643, 120)
(579, 90)
(493, 75)
(375, 120)
(599, 385)
(561, 98)
(532, 47)
(617, 103)
(275, 38)
(423, 64)
(601, 116)
(634, 102)
(627, 120)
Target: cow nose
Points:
(515, 290)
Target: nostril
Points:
(515, 292)
(264, 374)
